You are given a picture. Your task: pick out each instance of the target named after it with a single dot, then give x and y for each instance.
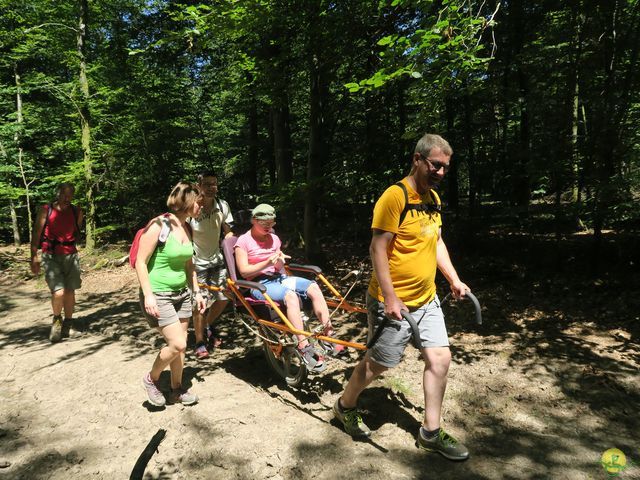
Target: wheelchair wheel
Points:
(285, 360)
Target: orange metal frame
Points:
(338, 301)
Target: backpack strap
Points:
(224, 215)
(405, 209)
(165, 229)
(433, 207)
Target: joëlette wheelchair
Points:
(278, 335)
(271, 324)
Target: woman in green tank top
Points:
(165, 269)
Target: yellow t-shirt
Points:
(412, 252)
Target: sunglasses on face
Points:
(435, 166)
(266, 223)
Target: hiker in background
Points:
(406, 248)
(56, 231)
(213, 223)
(164, 267)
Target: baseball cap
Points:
(264, 211)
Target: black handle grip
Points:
(474, 300)
(295, 267)
(248, 284)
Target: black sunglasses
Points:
(436, 165)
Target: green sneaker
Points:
(55, 335)
(351, 420)
(444, 444)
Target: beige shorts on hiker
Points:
(173, 307)
(61, 271)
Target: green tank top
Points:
(167, 265)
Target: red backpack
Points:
(164, 234)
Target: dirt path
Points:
(531, 397)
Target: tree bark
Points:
(318, 94)
(452, 177)
(14, 223)
(17, 141)
(252, 171)
(282, 140)
(471, 157)
(85, 126)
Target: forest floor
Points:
(548, 383)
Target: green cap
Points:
(264, 211)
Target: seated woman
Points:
(259, 259)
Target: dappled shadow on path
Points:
(582, 344)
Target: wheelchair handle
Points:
(474, 300)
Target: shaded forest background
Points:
(315, 106)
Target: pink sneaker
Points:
(156, 397)
(201, 351)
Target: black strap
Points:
(433, 207)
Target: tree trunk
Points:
(317, 137)
(85, 126)
(454, 199)
(282, 140)
(521, 194)
(252, 171)
(471, 157)
(14, 223)
(522, 186)
(574, 92)
(17, 141)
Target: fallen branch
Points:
(147, 453)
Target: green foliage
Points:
(237, 86)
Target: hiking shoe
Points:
(71, 328)
(55, 335)
(312, 359)
(351, 420)
(183, 396)
(66, 328)
(156, 398)
(77, 327)
(444, 444)
(201, 351)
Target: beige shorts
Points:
(173, 306)
(61, 271)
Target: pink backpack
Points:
(164, 234)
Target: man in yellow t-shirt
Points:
(406, 248)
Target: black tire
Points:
(285, 361)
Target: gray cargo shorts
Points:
(388, 349)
